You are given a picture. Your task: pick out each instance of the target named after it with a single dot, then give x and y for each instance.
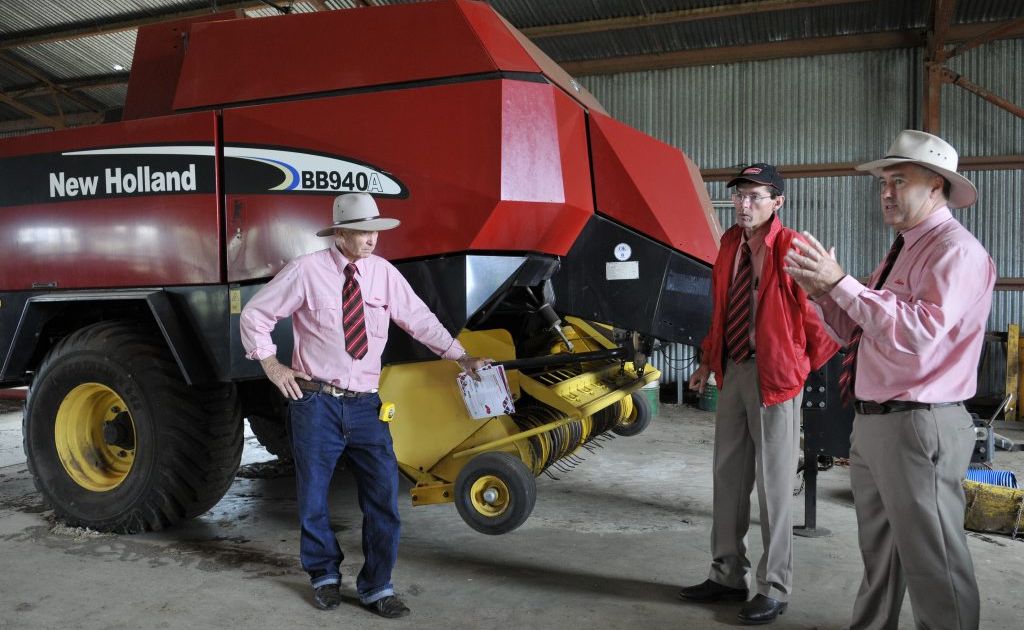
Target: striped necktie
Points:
(352, 315)
(848, 373)
(737, 320)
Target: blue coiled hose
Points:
(1004, 478)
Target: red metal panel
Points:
(493, 165)
(114, 240)
(155, 241)
(499, 36)
(156, 64)
(545, 172)
(652, 187)
(333, 50)
(170, 129)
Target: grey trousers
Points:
(754, 444)
(906, 470)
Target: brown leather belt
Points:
(327, 388)
(868, 407)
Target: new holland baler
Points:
(543, 233)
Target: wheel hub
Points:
(490, 496)
(119, 431)
(95, 437)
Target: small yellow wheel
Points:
(495, 493)
(638, 415)
(95, 437)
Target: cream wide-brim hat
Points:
(934, 154)
(357, 211)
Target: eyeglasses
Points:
(740, 198)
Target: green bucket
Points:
(651, 391)
(709, 399)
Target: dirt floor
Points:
(608, 546)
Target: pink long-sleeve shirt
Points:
(924, 328)
(309, 290)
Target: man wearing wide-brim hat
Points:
(341, 300)
(915, 333)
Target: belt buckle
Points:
(872, 407)
(340, 392)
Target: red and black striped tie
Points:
(353, 317)
(848, 373)
(737, 320)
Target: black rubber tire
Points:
(639, 420)
(517, 479)
(188, 440)
(272, 433)
(267, 412)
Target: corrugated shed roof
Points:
(102, 54)
(85, 56)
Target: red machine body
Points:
(131, 247)
(486, 160)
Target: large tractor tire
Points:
(268, 420)
(638, 419)
(115, 439)
(272, 432)
(495, 493)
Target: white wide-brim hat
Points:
(357, 211)
(933, 153)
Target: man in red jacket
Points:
(765, 338)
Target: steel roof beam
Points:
(846, 169)
(27, 69)
(676, 17)
(33, 124)
(71, 85)
(999, 32)
(784, 49)
(48, 121)
(941, 15)
(948, 76)
(115, 25)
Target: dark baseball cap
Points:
(760, 173)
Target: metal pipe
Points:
(562, 358)
(998, 101)
(515, 437)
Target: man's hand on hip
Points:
(284, 377)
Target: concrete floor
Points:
(607, 546)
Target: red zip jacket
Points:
(790, 339)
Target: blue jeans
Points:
(323, 428)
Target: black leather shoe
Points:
(389, 607)
(760, 610)
(327, 597)
(708, 591)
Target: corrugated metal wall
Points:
(840, 108)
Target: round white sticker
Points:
(623, 251)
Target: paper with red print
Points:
(488, 397)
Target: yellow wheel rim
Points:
(490, 496)
(88, 458)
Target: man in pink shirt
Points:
(915, 333)
(341, 300)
